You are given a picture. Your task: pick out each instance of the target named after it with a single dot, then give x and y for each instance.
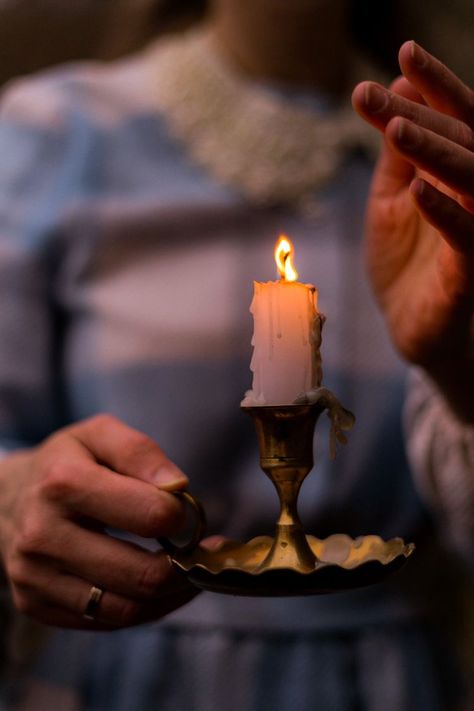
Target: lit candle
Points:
(286, 362)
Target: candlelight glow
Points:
(284, 259)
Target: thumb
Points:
(128, 451)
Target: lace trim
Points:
(245, 134)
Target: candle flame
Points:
(284, 251)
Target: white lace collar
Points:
(272, 148)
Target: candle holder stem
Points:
(285, 437)
(290, 547)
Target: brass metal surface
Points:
(291, 562)
(285, 439)
(341, 563)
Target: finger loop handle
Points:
(199, 529)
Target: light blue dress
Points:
(105, 221)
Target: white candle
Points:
(286, 361)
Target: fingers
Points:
(437, 139)
(68, 490)
(54, 585)
(82, 488)
(446, 215)
(61, 600)
(59, 617)
(441, 89)
(402, 87)
(118, 565)
(128, 451)
(447, 161)
(379, 106)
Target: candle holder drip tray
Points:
(292, 562)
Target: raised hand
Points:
(420, 218)
(56, 501)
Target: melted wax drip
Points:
(341, 419)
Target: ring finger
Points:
(61, 600)
(117, 565)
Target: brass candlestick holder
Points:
(292, 562)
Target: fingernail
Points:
(170, 477)
(409, 135)
(213, 544)
(418, 55)
(376, 98)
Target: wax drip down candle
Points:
(286, 361)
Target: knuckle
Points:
(49, 449)
(140, 453)
(139, 445)
(58, 482)
(32, 538)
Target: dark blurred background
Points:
(39, 33)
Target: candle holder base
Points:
(292, 562)
(340, 563)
